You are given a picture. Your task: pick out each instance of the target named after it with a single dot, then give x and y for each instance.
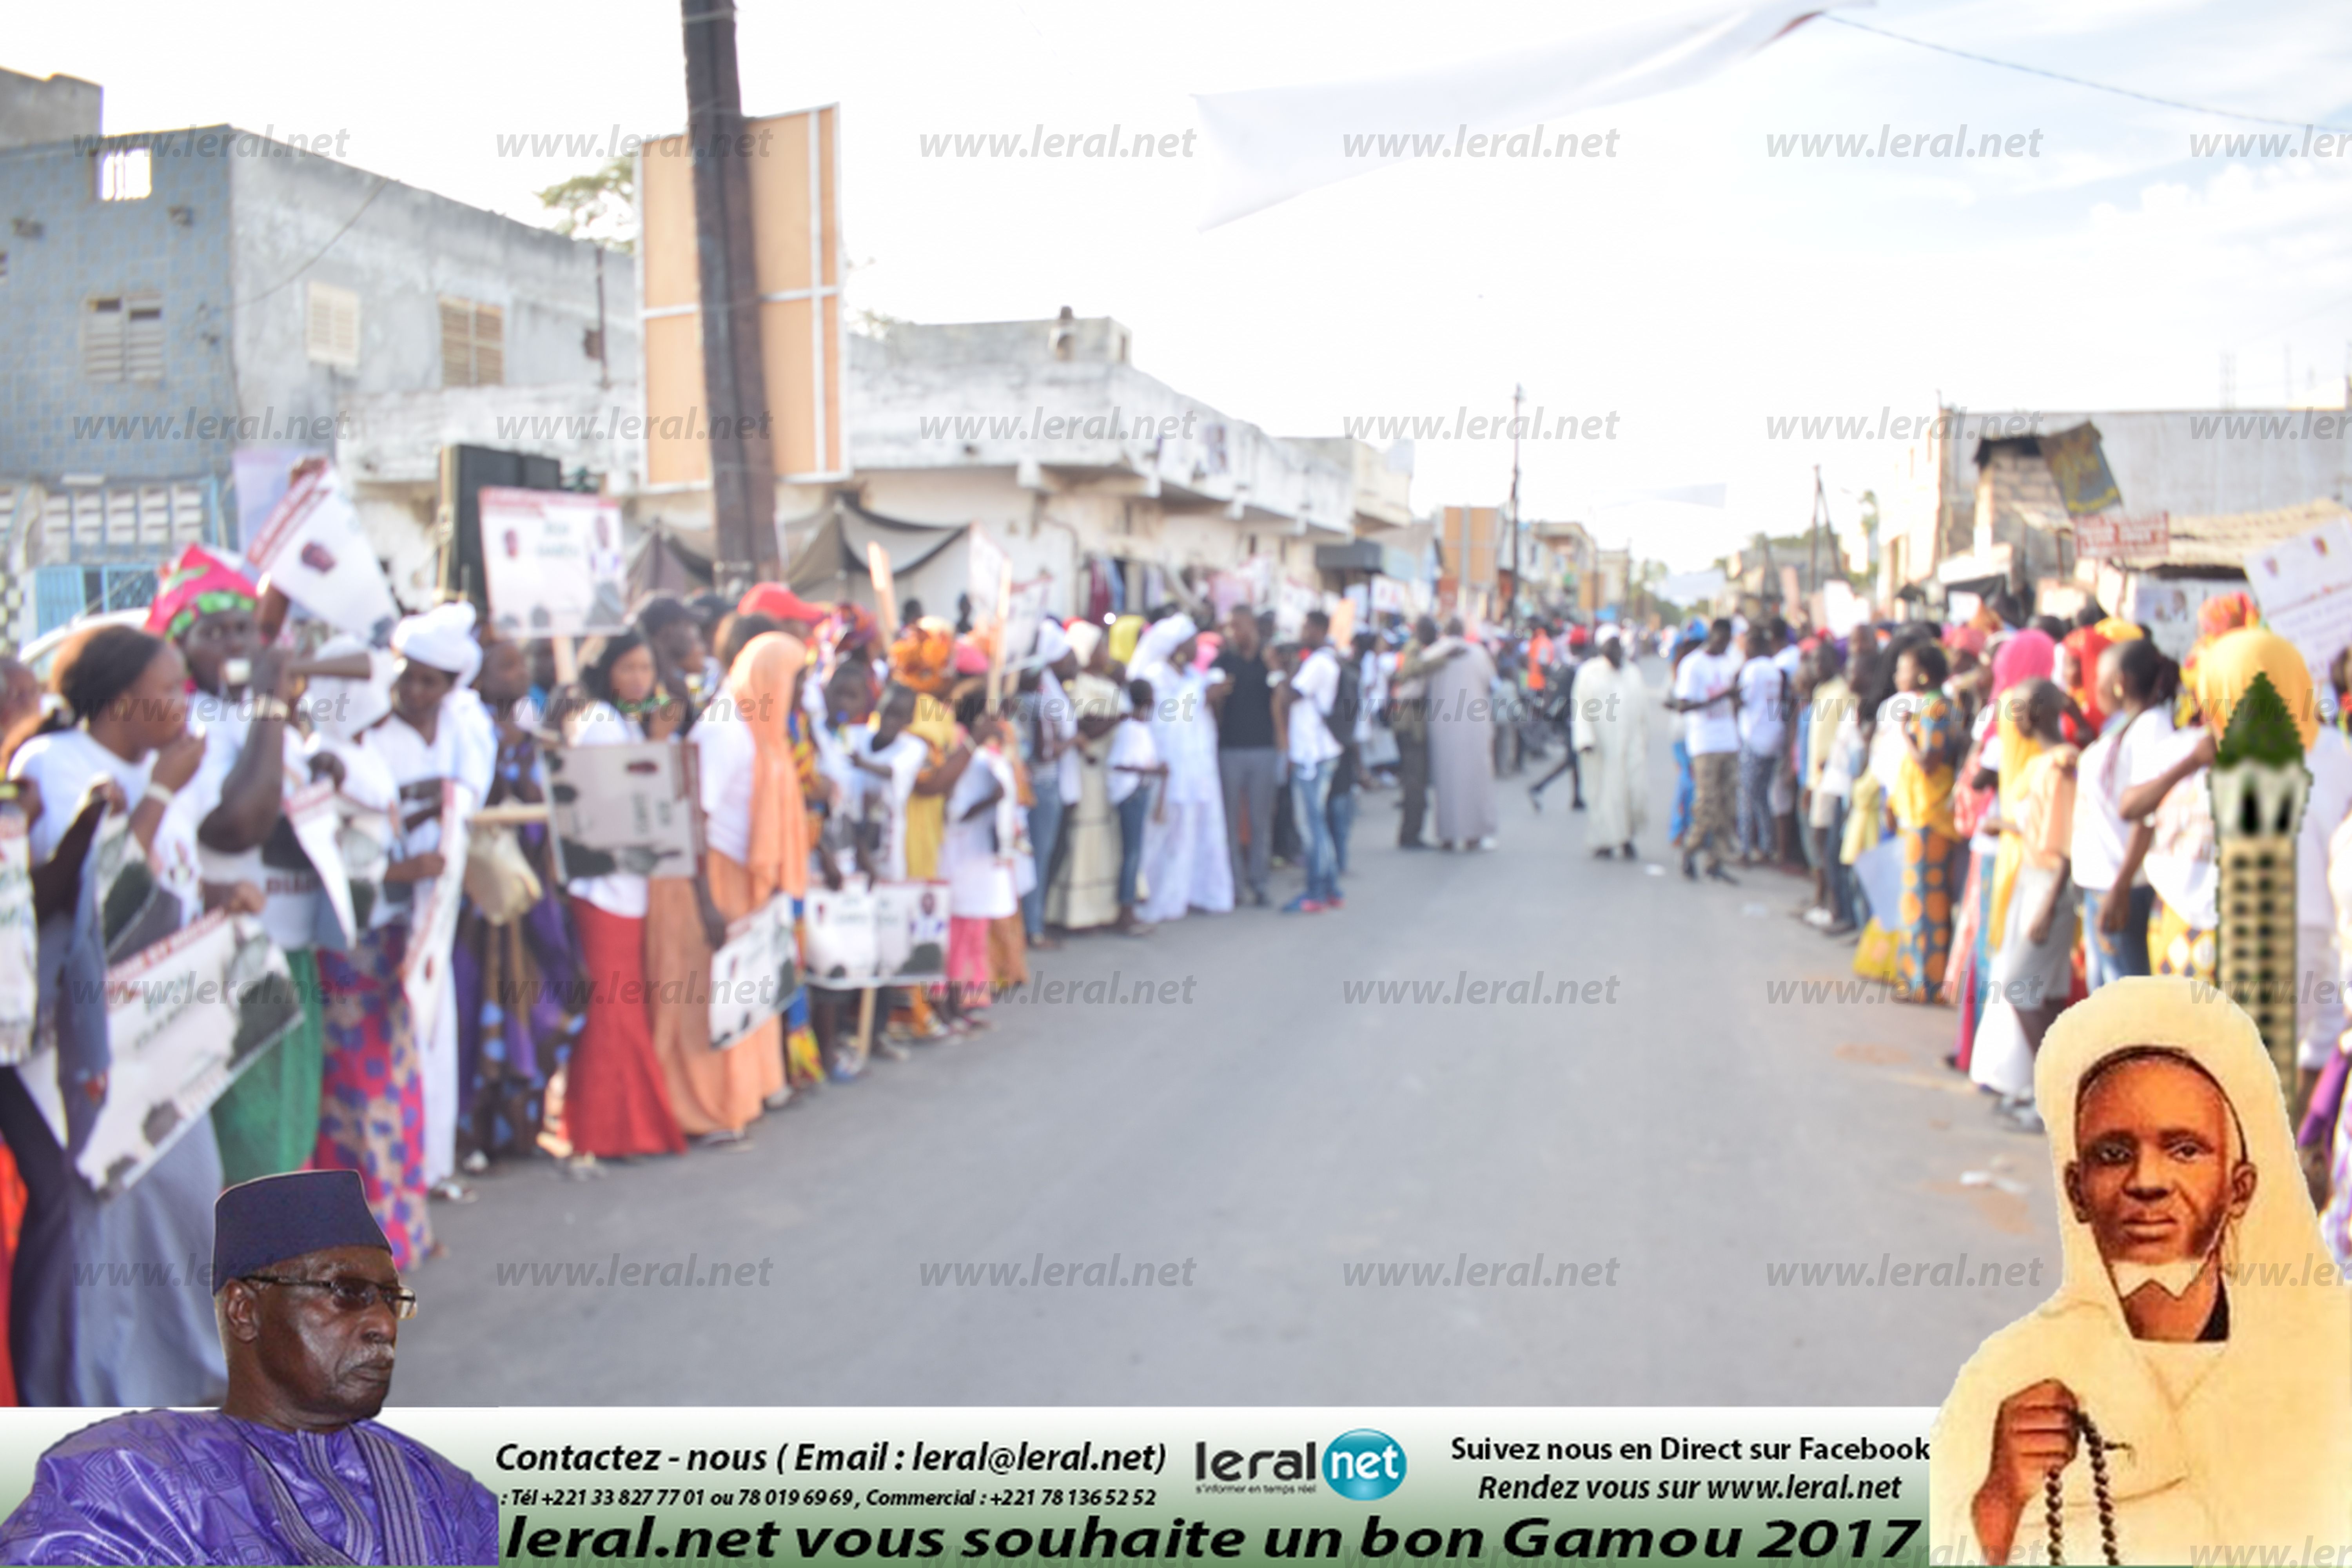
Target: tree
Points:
(600, 205)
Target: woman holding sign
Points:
(87, 1324)
(757, 833)
(616, 1102)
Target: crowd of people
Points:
(2005, 814)
(1106, 779)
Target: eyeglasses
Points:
(349, 1293)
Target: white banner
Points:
(893, 933)
(315, 552)
(183, 1018)
(754, 975)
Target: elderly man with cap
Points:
(294, 1467)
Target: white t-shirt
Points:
(65, 764)
(1316, 687)
(978, 868)
(1131, 747)
(1763, 707)
(1709, 678)
(2110, 765)
(2190, 883)
(290, 915)
(2324, 810)
(884, 800)
(724, 753)
(619, 893)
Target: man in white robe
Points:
(1461, 742)
(1185, 861)
(2200, 1328)
(1610, 727)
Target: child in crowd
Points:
(977, 858)
(1135, 765)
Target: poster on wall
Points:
(553, 563)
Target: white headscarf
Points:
(441, 638)
(2275, 1439)
(1053, 642)
(1163, 639)
(1085, 636)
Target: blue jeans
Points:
(1044, 832)
(1343, 813)
(1133, 812)
(1310, 794)
(1757, 836)
(2123, 954)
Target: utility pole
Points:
(735, 390)
(1813, 535)
(1517, 393)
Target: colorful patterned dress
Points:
(1923, 817)
(371, 1103)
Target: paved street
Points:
(1266, 1136)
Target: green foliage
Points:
(2262, 730)
(599, 205)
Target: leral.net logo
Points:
(1363, 1465)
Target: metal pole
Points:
(735, 393)
(1517, 393)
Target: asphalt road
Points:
(1259, 1136)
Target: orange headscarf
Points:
(2085, 644)
(923, 658)
(765, 683)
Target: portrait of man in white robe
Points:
(2189, 1384)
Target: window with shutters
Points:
(473, 344)
(126, 176)
(330, 334)
(123, 337)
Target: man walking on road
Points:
(1410, 693)
(1248, 763)
(1707, 688)
(1301, 718)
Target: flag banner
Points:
(2079, 464)
(1272, 144)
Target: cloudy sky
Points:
(1694, 285)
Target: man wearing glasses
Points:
(309, 1308)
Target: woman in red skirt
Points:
(616, 1102)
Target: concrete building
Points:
(181, 300)
(1974, 506)
(1108, 490)
(47, 108)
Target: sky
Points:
(1693, 285)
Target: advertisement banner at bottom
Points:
(1342, 1485)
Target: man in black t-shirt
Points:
(1247, 759)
